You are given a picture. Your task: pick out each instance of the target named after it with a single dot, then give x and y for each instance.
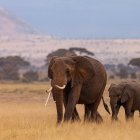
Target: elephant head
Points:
(65, 71)
(115, 93)
(128, 92)
(120, 94)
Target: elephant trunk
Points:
(59, 104)
(114, 113)
(114, 110)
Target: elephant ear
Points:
(111, 86)
(127, 93)
(124, 97)
(82, 71)
(50, 75)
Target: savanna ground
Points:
(23, 116)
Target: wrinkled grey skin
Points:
(126, 94)
(85, 80)
(88, 112)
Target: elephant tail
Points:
(105, 105)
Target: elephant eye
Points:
(67, 71)
(118, 95)
(52, 74)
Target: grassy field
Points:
(23, 116)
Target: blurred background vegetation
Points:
(15, 68)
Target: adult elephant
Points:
(76, 80)
(126, 94)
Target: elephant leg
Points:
(75, 115)
(72, 100)
(87, 115)
(53, 95)
(128, 114)
(99, 118)
(94, 109)
(117, 109)
(132, 113)
(115, 112)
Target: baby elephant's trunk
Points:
(105, 105)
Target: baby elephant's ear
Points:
(127, 93)
(124, 97)
(111, 86)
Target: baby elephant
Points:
(126, 94)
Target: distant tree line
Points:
(68, 52)
(132, 70)
(11, 67)
(135, 62)
(17, 69)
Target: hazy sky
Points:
(80, 18)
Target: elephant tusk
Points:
(47, 99)
(50, 89)
(60, 86)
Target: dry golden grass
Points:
(27, 119)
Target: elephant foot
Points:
(99, 118)
(114, 117)
(77, 119)
(129, 116)
(115, 120)
(87, 119)
(67, 118)
(58, 124)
